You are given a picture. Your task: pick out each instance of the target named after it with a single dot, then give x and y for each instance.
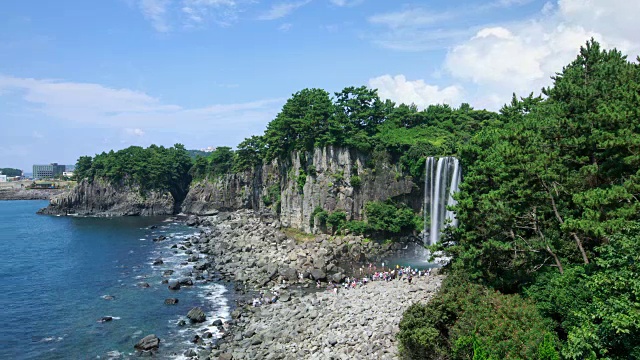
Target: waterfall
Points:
(442, 178)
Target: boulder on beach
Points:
(147, 343)
(192, 220)
(196, 315)
(318, 274)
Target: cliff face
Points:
(336, 179)
(100, 198)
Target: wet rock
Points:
(174, 285)
(186, 282)
(196, 315)
(171, 301)
(106, 319)
(144, 285)
(147, 343)
(158, 261)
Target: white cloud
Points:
(135, 132)
(156, 12)
(400, 90)
(94, 104)
(522, 56)
(410, 18)
(346, 3)
(281, 10)
(222, 12)
(164, 15)
(285, 27)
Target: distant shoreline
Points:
(28, 194)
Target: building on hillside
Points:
(48, 171)
(3, 178)
(209, 149)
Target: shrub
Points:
(336, 219)
(356, 227)
(355, 181)
(321, 214)
(272, 196)
(388, 217)
(469, 321)
(301, 180)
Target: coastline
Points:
(28, 194)
(249, 250)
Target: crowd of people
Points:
(365, 275)
(386, 274)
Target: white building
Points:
(3, 178)
(68, 174)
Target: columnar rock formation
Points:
(325, 178)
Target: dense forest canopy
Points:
(10, 172)
(153, 168)
(355, 118)
(549, 211)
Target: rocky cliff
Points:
(331, 178)
(100, 198)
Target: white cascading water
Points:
(442, 177)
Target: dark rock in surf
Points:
(196, 315)
(147, 343)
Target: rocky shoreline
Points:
(304, 323)
(28, 194)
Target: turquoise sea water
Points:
(56, 270)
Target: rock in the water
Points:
(217, 322)
(149, 342)
(106, 319)
(171, 301)
(167, 273)
(144, 284)
(109, 297)
(181, 323)
(196, 315)
(158, 261)
(174, 285)
(186, 282)
(192, 220)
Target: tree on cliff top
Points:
(153, 168)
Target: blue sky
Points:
(80, 77)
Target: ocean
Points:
(57, 271)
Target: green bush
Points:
(355, 181)
(388, 217)
(272, 196)
(321, 214)
(336, 219)
(469, 321)
(301, 180)
(356, 227)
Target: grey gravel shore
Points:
(304, 323)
